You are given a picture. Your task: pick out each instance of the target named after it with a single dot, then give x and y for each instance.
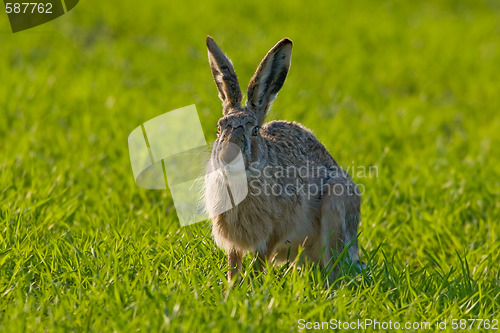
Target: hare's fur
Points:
(319, 211)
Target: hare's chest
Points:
(243, 232)
(262, 227)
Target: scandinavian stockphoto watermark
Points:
(307, 180)
(171, 151)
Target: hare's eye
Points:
(255, 130)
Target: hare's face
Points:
(238, 133)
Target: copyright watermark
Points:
(25, 14)
(374, 324)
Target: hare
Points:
(297, 195)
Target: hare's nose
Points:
(229, 152)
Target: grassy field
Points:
(411, 88)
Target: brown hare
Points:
(296, 194)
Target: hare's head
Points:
(238, 129)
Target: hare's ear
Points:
(269, 78)
(224, 76)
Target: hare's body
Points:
(297, 194)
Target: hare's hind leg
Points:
(340, 210)
(331, 234)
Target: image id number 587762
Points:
(28, 8)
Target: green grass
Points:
(409, 87)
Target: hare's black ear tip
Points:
(287, 40)
(209, 40)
